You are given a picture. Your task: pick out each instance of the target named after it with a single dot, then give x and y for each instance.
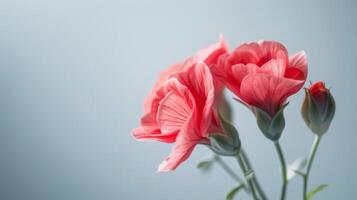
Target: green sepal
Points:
(226, 143)
(222, 145)
(305, 107)
(271, 127)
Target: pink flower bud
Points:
(318, 108)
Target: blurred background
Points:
(74, 73)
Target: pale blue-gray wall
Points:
(73, 75)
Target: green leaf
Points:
(206, 164)
(316, 190)
(296, 168)
(232, 193)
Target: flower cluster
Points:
(185, 105)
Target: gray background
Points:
(73, 75)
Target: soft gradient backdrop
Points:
(73, 76)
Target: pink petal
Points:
(273, 50)
(208, 55)
(275, 67)
(239, 71)
(164, 75)
(200, 83)
(247, 53)
(149, 130)
(259, 52)
(297, 68)
(268, 92)
(145, 133)
(173, 112)
(180, 153)
(185, 143)
(222, 68)
(211, 54)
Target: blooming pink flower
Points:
(180, 106)
(262, 74)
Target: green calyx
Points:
(226, 143)
(271, 127)
(318, 118)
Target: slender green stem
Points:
(247, 172)
(283, 170)
(309, 164)
(229, 171)
(254, 179)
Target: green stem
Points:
(231, 172)
(254, 179)
(283, 170)
(228, 169)
(247, 172)
(309, 164)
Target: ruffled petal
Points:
(163, 77)
(247, 53)
(259, 52)
(150, 129)
(207, 55)
(297, 68)
(272, 50)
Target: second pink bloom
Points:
(262, 74)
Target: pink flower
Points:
(208, 55)
(262, 74)
(180, 107)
